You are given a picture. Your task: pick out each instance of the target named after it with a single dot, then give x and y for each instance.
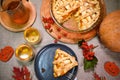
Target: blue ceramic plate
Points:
(43, 62)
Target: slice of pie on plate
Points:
(63, 62)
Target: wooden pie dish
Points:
(62, 34)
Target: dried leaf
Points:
(21, 73)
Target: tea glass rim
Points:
(28, 30)
(1, 6)
(24, 45)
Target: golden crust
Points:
(84, 12)
(63, 62)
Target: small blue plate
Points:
(43, 62)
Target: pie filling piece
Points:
(63, 62)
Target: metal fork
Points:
(69, 76)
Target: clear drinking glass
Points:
(24, 53)
(32, 35)
(16, 10)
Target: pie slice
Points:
(63, 62)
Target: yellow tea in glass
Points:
(32, 35)
(24, 53)
(16, 10)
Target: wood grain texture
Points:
(71, 37)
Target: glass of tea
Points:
(16, 10)
(24, 53)
(32, 35)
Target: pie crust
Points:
(84, 12)
(63, 62)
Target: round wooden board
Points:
(60, 33)
(9, 25)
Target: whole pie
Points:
(84, 12)
(63, 62)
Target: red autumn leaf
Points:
(25, 70)
(96, 76)
(6, 53)
(17, 72)
(21, 74)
